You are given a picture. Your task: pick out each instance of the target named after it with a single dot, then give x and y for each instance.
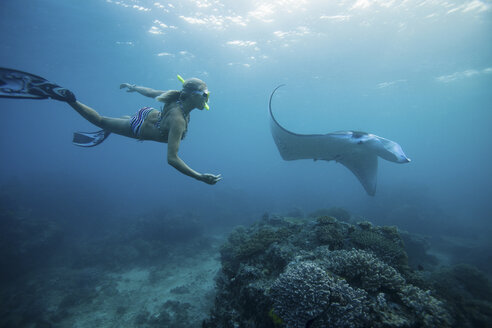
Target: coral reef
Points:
(428, 311)
(329, 232)
(321, 272)
(362, 269)
(306, 294)
(385, 242)
(244, 244)
(338, 213)
(468, 293)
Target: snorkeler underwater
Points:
(169, 125)
(102, 231)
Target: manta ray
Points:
(357, 151)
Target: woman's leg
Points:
(115, 125)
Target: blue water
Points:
(418, 73)
(73, 219)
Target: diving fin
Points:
(18, 84)
(89, 139)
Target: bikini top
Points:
(163, 115)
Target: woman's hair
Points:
(193, 84)
(170, 96)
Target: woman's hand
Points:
(210, 178)
(131, 87)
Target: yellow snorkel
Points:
(180, 78)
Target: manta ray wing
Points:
(294, 146)
(365, 167)
(357, 151)
(339, 146)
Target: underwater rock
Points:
(321, 273)
(171, 314)
(468, 293)
(416, 246)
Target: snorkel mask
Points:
(201, 92)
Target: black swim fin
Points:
(18, 84)
(89, 139)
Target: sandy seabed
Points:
(177, 293)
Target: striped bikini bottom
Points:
(138, 119)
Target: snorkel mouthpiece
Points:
(180, 78)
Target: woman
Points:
(167, 126)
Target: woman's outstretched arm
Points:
(148, 92)
(174, 139)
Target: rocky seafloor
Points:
(156, 270)
(329, 272)
(328, 269)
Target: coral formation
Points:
(428, 311)
(279, 272)
(362, 269)
(385, 242)
(328, 232)
(305, 293)
(321, 273)
(339, 213)
(244, 244)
